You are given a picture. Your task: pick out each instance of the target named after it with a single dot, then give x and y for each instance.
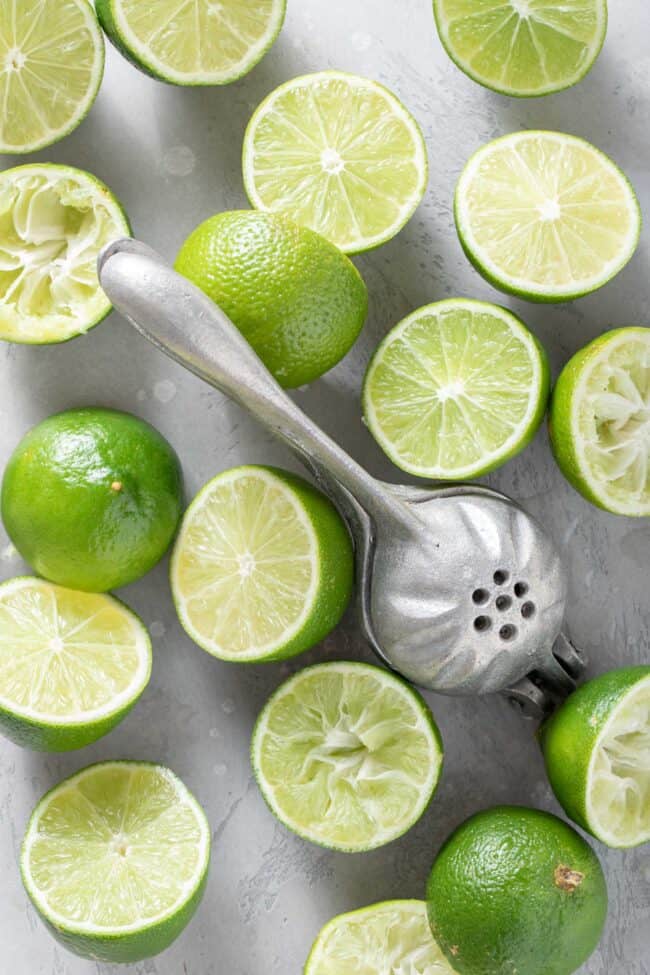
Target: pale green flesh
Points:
(618, 801)
(453, 388)
(67, 656)
(115, 848)
(523, 47)
(393, 938)
(245, 567)
(338, 154)
(612, 417)
(547, 214)
(345, 756)
(53, 223)
(51, 61)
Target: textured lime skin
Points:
(298, 300)
(569, 736)
(336, 567)
(495, 906)
(129, 947)
(63, 509)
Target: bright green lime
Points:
(337, 153)
(91, 498)
(596, 748)
(263, 566)
(115, 860)
(599, 421)
(456, 389)
(299, 301)
(516, 890)
(347, 755)
(523, 47)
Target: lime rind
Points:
(584, 57)
(318, 150)
(533, 383)
(348, 756)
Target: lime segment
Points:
(347, 756)
(338, 153)
(456, 389)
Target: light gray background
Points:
(173, 157)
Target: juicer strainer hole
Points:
(501, 577)
(508, 632)
(503, 603)
(528, 610)
(482, 623)
(521, 589)
(480, 596)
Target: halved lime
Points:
(600, 421)
(392, 938)
(546, 216)
(115, 860)
(200, 42)
(72, 664)
(54, 220)
(51, 67)
(597, 753)
(523, 47)
(338, 153)
(262, 568)
(456, 389)
(347, 755)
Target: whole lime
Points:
(91, 498)
(516, 890)
(298, 300)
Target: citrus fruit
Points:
(91, 498)
(599, 421)
(516, 890)
(51, 67)
(596, 748)
(339, 154)
(347, 756)
(523, 48)
(456, 389)
(54, 220)
(546, 216)
(72, 664)
(392, 938)
(299, 301)
(115, 860)
(262, 568)
(197, 43)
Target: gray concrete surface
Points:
(172, 155)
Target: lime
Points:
(546, 216)
(600, 419)
(339, 154)
(516, 890)
(54, 220)
(51, 67)
(115, 860)
(262, 568)
(392, 938)
(596, 749)
(523, 47)
(194, 43)
(347, 756)
(299, 301)
(72, 664)
(91, 498)
(456, 389)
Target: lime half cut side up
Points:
(456, 389)
(337, 153)
(115, 860)
(546, 216)
(600, 421)
(72, 664)
(523, 48)
(202, 42)
(347, 756)
(392, 938)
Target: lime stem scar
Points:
(116, 486)
(567, 879)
